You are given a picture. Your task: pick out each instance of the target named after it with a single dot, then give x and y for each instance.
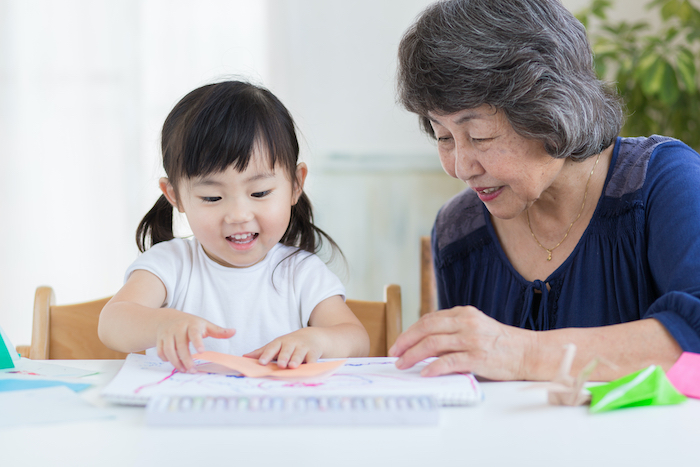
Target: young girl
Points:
(230, 154)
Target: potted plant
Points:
(655, 68)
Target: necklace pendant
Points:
(549, 258)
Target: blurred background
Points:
(86, 84)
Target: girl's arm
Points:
(334, 331)
(133, 320)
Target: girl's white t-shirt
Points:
(262, 302)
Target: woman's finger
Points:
(439, 322)
(455, 362)
(434, 345)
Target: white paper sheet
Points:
(47, 405)
(142, 377)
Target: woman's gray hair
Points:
(527, 58)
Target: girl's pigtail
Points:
(156, 226)
(302, 232)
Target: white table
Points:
(510, 427)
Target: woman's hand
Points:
(466, 340)
(174, 336)
(293, 349)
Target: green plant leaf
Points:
(685, 63)
(652, 77)
(669, 92)
(645, 64)
(655, 69)
(626, 68)
(639, 26)
(685, 12)
(599, 7)
(669, 9)
(671, 34)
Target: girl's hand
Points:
(292, 349)
(466, 340)
(174, 336)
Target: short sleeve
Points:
(313, 282)
(167, 261)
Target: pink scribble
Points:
(140, 388)
(299, 384)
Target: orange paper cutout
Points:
(252, 368)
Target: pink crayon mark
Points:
(140, 388)
(302, 385)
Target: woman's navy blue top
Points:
(638, 258)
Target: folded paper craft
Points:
(564, 389)
(685, 374)
(649, 386)
(8, 354)
(252, 368)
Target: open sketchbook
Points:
(142, 377)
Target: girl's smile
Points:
(242, 241)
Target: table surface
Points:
(511, 426)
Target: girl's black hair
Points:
(219, 125)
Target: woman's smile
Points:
(488, 194)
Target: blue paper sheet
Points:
(8, 384)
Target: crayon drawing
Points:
(142, 377)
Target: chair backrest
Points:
(382, 320)
(428, 289)
(67, 331)
(70, 331)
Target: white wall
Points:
(86, 84)
(84, 88)
(374, 178)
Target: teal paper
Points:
(8, 354)
(21, 384)
(649, 386)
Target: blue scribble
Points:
(367, 364)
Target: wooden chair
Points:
(67, 331)
(70, 331)
(382, 320)
(428, 289)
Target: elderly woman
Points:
(567, 233)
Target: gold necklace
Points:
(585, 193)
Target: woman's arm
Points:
(631, 346)
(467, 340)
(133, 320)
(334, 331)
